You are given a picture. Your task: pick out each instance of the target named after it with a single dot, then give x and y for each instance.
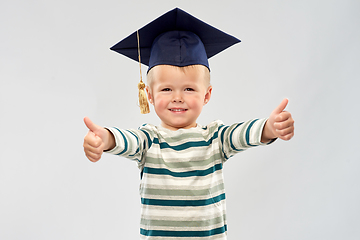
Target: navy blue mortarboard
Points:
(175, 38)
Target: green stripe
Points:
(137, 144)
(222, 141)
(231, 135)
(186, 145)
(125, 142)
(164, 171)
(182, 203)
(148, 138)
(163, 233)
(247, 136)
(182, 192)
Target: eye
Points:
(166, 90)
(189, 89)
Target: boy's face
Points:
(178, 95)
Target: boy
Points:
(182, 190)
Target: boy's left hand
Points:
(279, 125)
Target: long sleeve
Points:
(240, 136)
(131, 144)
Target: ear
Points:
(208, 95)
(149, 95)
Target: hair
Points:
(150, 74)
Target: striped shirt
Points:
(182, 186)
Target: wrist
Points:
(267, 133)
(110, 140)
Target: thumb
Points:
(91, 126)
(281, 106)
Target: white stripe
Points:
(196, 213)
(174, 156)
(195, 181)
(215, 237)
(189, 228)
(184, 187)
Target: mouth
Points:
(178, 109)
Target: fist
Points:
(281, 123)
(94, 141)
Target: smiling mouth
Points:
(178, 109)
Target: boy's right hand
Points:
(96, 140)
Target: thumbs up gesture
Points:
(96, 140)
(279, 125)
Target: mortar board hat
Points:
(175, 38)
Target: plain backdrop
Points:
(56, 68)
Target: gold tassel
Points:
(144, 105)
(143, 102)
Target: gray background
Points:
(56, 68)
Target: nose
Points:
(177, 98)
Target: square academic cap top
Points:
(175, 38)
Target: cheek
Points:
(195, 103)
(160, 102)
